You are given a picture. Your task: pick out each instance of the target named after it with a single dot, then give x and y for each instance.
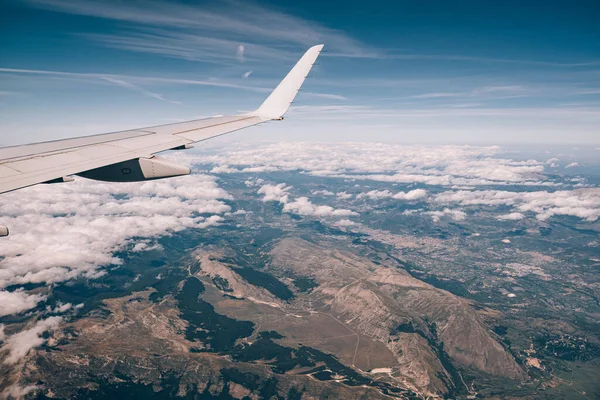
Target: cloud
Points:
(209, 33)
(135, 88)
(223, 169)
(330, 96)
(429, 165)
(240, 53)
(303, 206)
(18, 301)
(2, 334)
(18, 392)
(322, 193)
(511, 217)
(100, 77)
(62, 232)
(572, 165)
(60, 308)
(343, 195)
(385, 194)
(375, 194)
(553, 162)
(19, 344)
(246, 74)
(411, 195)
(580, 203)
(344, 223)
(279, 192)
(456, 215)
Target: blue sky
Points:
(398, 71)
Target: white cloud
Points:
(2, 334)
(18, 392)
(246, 74)
(511, 217)
(18, 301)
(303, 206)
(322, 193)
(430, 165)
(411, 195)
(456, 215)
(572, 165)
(344, 223)
(209, 33)
(254, 182)
(581, 203)
(279, 192)
(386, 194)
(62, 232)
(240, 53)
(223, 169)
(60, 308)
(343, 195)
(136, 88)
(375, 194)
(19, 344)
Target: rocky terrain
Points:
(320, 288)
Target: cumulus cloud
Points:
(343, 195)
(60, 308)
(344, 223)
(456, 215)
(511, 217)
(322, 193)
(18, 301)
(581, 203)
(303, 206)
(572, 165)
(430, 165)
(18, 345)
(279, 192)
(411, 195)
(66, 231)
(385, 194)
(253, 182)
(223, 169)
(375, 194)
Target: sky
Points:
(435, 72)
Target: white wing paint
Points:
(106, 156)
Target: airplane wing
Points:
(130, 155)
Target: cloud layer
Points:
(66, 231)
(429, 165)
(581, 203)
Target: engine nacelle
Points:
(141, 169)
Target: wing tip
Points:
(278, 102)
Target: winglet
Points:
(280, 99)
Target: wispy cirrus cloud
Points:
(230, 24)
(135, 88)
(100, 77)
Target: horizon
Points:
(444, 73)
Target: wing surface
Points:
(26, 165)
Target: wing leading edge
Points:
(26, 165)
